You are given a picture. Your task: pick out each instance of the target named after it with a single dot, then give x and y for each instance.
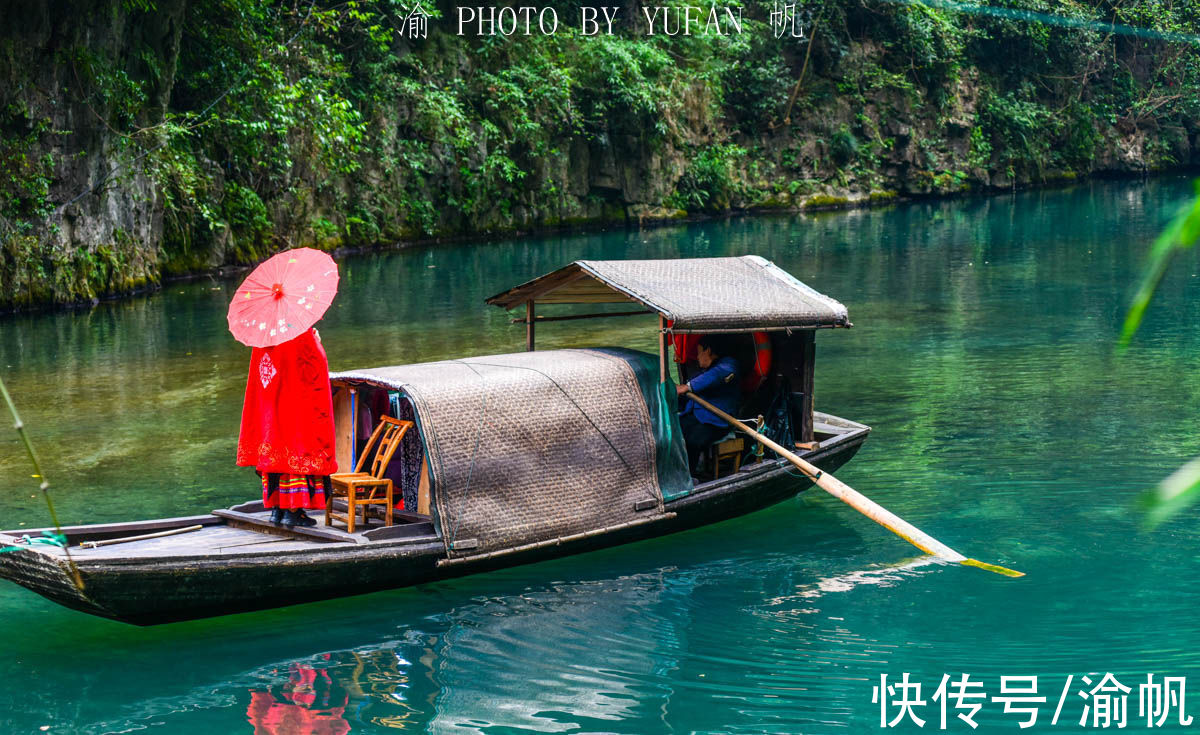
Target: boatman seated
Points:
(718, 384)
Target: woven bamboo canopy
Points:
(738, 294)
(533, 446)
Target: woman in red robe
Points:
(287, 427)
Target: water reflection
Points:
(308, 702)
(608, 644)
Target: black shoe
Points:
(298, 518)
(277, 516)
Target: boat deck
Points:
(240, 530)
(215, 539)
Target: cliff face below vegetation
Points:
(146, 138)
(57, 141)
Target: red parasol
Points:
(283, 297)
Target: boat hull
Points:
(149, 590)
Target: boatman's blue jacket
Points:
(719, 386)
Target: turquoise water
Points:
(1004, 425)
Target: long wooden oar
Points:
(862, 503)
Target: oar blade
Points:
(992, 568)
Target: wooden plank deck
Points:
(211, 540)
(238, 532)
(244, 529)
(257, 522)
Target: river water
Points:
(1004, 424)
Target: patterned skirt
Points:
(291, 492)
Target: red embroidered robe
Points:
(287, 417)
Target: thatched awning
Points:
(746, 293)
(534, 446)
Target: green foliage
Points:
(191, 212)
(323, 228)
(930, 39)
(1018, 123)
(25, 177)
(349, 131)
(112, 96)
(1181, 489)
(843, 146)
(1173, 494)
(275, 104)
(623, 84)
(756, 86)
(1181, 234)
(244, 210)
(980, 155)
(710, 183)
(1079, 137)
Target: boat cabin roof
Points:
(734, 294)
(532, 446)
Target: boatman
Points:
(718, 385)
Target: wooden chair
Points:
(730, 447)
(368, 488)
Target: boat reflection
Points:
(556, 647)
(549, 660)
(308, 702)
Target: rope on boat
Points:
(44, 487)
(47, 539)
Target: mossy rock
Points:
(774, 201)
(825, 201)
(1060, 176)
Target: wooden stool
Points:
(731, 446)
(368, 488)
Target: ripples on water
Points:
(1004, 424)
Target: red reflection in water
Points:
(302, 705)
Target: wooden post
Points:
(662, 348)
(423, 488)
(343, 424)
(353, 430)
(809, 352)
(529, 325)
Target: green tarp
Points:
(670, 454)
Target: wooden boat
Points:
(517, 458)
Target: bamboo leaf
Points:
(1181, 234)
(1181, 489)
(1178, 491)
